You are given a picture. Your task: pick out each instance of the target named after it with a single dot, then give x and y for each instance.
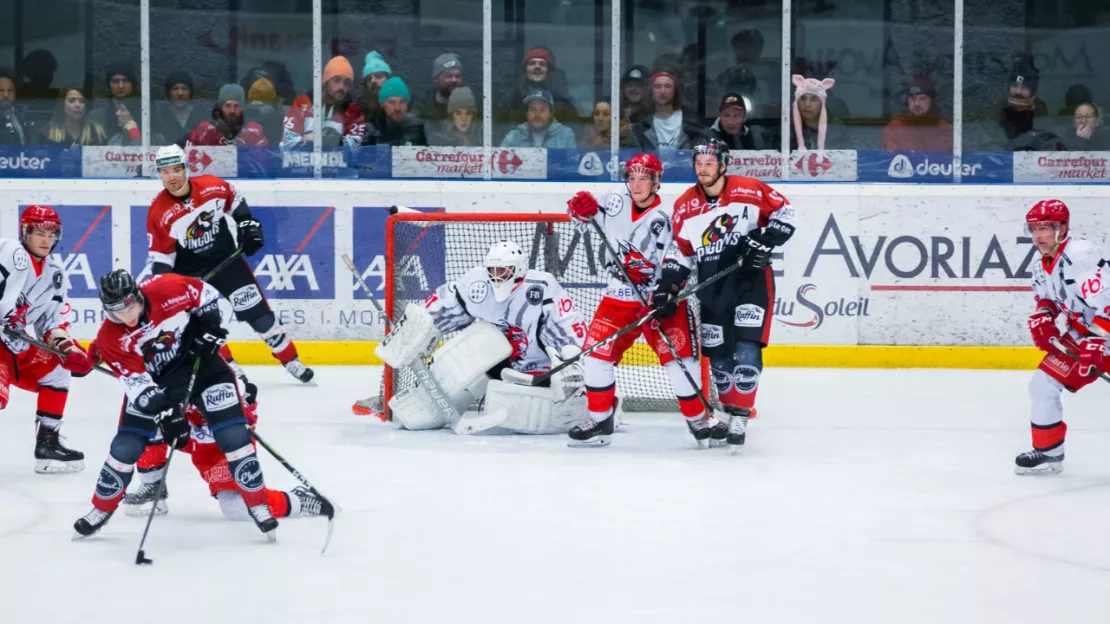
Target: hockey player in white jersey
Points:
(638, 225)
(510, 317)
(33, 302)
(1068, 282)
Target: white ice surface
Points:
(863, 496)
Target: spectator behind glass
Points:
(920, 128)
(343, 120)
(278, 75)
(1090, 135)
(1018, 117)
(811, 129)
(262, 107)
(542, 128)
(634, 95)
(14, 127)
(752, 76)
(730, 126)
(36, 92)
(461, 128)
(539, 74)
(375, 71)
(446, 77)
(227, 126)
(668, 126)
(175, 118)
(1076, 94)
(69, 126)
(398, 126)
(598, 132)
(119, 115)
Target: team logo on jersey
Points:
(478, 292)
(56, 280)
(534, 295)
(640, 270)
(159, 352)
(657, 227)
(202, 231)
(518, 340)
(720, 228)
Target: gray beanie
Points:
(445, 61)
(461, 98)
(231, 92)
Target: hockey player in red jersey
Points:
(720, 221)
(196, 223)
(1068, 283)
(33, 302)
(157, 337)
(638, 225)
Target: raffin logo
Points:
(818, 310)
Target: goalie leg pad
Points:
(416, 410)
(467, 356)
(413, 336)
(533, 410)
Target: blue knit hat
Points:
(375, 64)
(394, 87)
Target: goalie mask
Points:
(506, 266)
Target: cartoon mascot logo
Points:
(517, 338)
(639, 269)
(158, 351)
(720, 226)
(201, 226)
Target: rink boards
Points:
(877, 275)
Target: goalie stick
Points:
(666, 339)
(528, 380)
(418, 367)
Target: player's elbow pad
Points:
(209, 314)
(241, 212)
(776, 233)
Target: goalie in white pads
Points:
(511, 317)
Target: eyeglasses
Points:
(1085, 117)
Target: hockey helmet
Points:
(712, 147)
(43, 217)
(118, 290)
(169, 156)
(1047, 212)
(506, 266)
(644, 162)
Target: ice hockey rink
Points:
(863, 496)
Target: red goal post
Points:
(425, 249)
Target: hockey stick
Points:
(666, 339)
(140, 556)
(304, 481)
(418, 367)
(1063, 349)
(528, 380)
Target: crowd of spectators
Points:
(534, 109)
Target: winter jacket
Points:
(555, 136)
(216, 133)
(344, 124)
(643, 135)
(928, 133)
(163, 121)
(743, 140)
(408, 131)
(445, 133)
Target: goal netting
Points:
(425, 250)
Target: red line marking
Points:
(315, 228)
(952, 288)
(96, 222)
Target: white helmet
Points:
(169, 156)
(506, 266)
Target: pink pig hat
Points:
(811, 86)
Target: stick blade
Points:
(516, 377)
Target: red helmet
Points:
(39, 217)
(644, 162)
(1047, 212)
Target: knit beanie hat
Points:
(176, 77)
(394, 87)
(540, 52)
(339, 66)
(262, 91)
(230, 92)
(120, 67)
(374, 64)
(461, 98)
(922, 85)
(443, 62)
(811, 86)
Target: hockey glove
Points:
(250, 236)
(75, 360)
(175, 429)
(1042, 326)
(207, 341)
(761, 243)
(1091, 356)
(582, 207)
(665, 298)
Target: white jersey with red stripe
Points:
(641, 237)
(537, 314)
(1074, 279)
(32, 294)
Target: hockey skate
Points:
(91, 522)
(1035, 462)
(52, 457)
(737, 429)
(593, 432)
(297, 369)
(718, 432)
(701, 429)
(264, 520)
(139, 502)
(311, 504)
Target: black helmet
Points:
(712, 146)
(118, 290)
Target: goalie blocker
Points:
(466, 368)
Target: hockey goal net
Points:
(425, 250)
